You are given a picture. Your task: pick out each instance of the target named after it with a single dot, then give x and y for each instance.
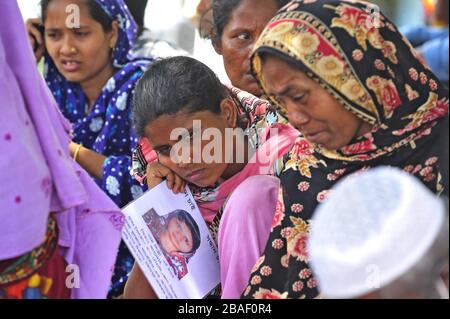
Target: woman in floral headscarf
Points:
(354, 87)
(89, 72)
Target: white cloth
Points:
(372, 229)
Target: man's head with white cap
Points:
(380, 234)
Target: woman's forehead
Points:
(251, 14)
(59, 12)
(278, 74)
(159, 130)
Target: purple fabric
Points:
(38, 176)
(244, 230)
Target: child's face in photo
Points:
(180, 236)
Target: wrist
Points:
(77, 152)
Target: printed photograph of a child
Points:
(178, 236)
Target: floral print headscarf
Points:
(359, 57)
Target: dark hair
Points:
(96, 11)
(137, 9)
(223, 9)
(175, 84)
(190, 222)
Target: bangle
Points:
(77, 151)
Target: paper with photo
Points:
(172, 244)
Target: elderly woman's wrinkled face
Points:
(244, 26)
(311, 109)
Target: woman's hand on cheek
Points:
(157, 172)
(36, 37)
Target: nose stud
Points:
(73, 50)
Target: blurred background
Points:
(174, 21)
(171, 19)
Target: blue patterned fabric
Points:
(107, 127)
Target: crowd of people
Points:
(322, 97)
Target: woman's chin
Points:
(249, 84)
(200, 184)
(72, 76)
(207, 182)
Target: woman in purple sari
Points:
(92, 76)
(59, 233)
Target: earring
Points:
(113, 52)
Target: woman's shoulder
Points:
(133, 69)
(257, 109)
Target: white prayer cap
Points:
(371, 230)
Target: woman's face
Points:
(80, 54)
(180, 236)
(244, 26)
(311, 109)
(205, 161)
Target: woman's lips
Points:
(70, 66)
(195, 175)
(315, 137)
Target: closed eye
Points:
(52, 35)
(299, 98)
(81, 34)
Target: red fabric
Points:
(49, 282)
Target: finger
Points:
(32, 40)
(179, 184)
(154, 177)
(170, 180)
(153, 182)
(31, 26)
(34, 21)
(176, 183)
(155, 170)
(36, 34)
(40, 53)
(156, 174)
(183, 187)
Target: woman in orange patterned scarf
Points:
(359, 95)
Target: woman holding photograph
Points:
(178, 236)
(225, 189)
